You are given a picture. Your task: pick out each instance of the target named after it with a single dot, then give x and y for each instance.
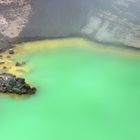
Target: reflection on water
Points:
(82, 94)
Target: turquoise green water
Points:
(82, 95)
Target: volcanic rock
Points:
(9, 83)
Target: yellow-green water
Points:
(83, 94)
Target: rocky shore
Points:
(10, 75)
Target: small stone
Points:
(4, 67)
(2, 62)
(20, 63)
(8, 56)
(11, 51)
(23, 63)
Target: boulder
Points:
(9, 83)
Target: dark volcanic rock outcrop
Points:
(11, 84)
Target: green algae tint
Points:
(83, 94)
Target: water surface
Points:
(83, 94)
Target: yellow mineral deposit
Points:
(36, 46)
(8, 62)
